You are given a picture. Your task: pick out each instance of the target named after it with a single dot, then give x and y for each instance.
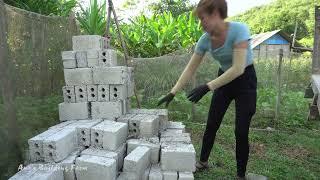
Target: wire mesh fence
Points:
(35, 44)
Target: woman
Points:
(228, 43)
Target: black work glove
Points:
(168, 98)
(198, 92)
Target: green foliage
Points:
(283, 14)
(93, 19)
(175, 7)
(45, 7)
(160, 34)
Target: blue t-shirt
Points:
(237, 32)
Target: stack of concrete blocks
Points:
(95, 86)
(99, 136)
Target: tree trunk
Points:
(7, 76)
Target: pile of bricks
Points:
(100, 136)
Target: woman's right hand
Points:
(168, 98)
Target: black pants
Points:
(243, 91)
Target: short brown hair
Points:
(209, 6)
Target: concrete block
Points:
(81, 93)
(62, 124)
(36, 145)
(155, 172)
(178, 157)
(69, 95)
(87, 42)
(78, 76)
(181, 138)
(162, 113)
(137, 161)
(81, 58)
(149, 126)
(92, 91)
(69, 59)
(134, 125)
(110, 75)
(74, 111)
(26, 172)
(84, 133)
(95, 167)
(127, 176)
(48, 172)
(118, 92)
(103, 93)
(186, 176)
(125, 118)
(106, 110)
(170, 175)
(59, 145)
(127, 105)
(146, 173)
(93, 58)
(107, 58)
(154, 148)
(42, 171)
(68, 166)
(171, 132)
(122, 153)
(116, 155)
(176, 125)
(109, 135)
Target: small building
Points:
(267, 45)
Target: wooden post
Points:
(7, 74)
(316, 46)
(193, 110)
(277, 114)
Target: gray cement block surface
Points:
(180, 137)
(118, 92)
(155, 172)
(81, 58)
(87, 42)
(95, 168)
(68, 59)
(84, 133)
(81, 93)
(103, 153)
(106, 110)
(69, 95)
(178, 157)
(59, 145)
(137, 161)
(78, 76)
(111, 135)
(176, 125)
(36, 145)
(74, 111)
(103, 93)
(107, 58)
(110, 75)
(186, 176)
(39, 172)
(92, 91)
(154, 148)
(149, 126)
(170, 175)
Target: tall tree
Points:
(7, 76)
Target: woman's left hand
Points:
(197, 93)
